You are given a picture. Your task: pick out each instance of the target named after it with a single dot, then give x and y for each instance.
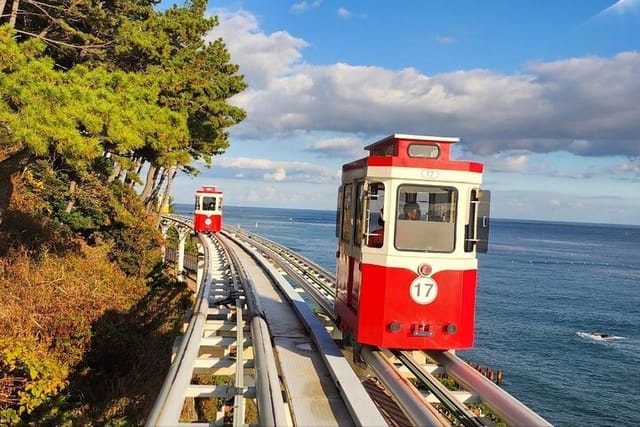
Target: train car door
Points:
(359, 217)
(374, 226)
(344, 231)
(350, 229)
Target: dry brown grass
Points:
(99, 307)
(56, 297)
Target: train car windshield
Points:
(209, 203)
(425, 218)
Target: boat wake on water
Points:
(599, 336)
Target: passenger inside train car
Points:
(411, 211)
(376, 237)
(210, 203)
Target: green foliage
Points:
(136, 251)
(109, 213)
(21, 363)
(89, 200)
(116, 85)
(190, 246)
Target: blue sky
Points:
(544, 93)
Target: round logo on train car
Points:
(423, 290)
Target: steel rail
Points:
(290, 268)
(457, 408)
(294, 259)
(169, 403)
(410, 400)
(268, 394)
(497, 399)
(359, 404)
(236, 277)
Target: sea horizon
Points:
(524, 220)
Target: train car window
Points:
(477, 231)
(357, 232)
(209, 203)
(389, 149)
(425, 151)
(426, 217)
(346, 214)
(375, 222)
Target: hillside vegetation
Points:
(90, 95)
(87, 322)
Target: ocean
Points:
(541, 287)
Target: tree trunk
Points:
(72, 190)
(128, 180)
(3, 3)
(152, 201)
(164, 204)
(152, 176)
(12, 160)
(14, 13)
(117, 167)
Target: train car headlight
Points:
(207, 221)
(424, 270)
(394, 326)
(451, 328)
(423, 290)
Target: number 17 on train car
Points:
(410, 222)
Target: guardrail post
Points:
(164, 229)
(183, 232)
(200, 264)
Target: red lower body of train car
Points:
(203, 223)
(377, 309)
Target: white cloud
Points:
(630, 167)
(262, 58)
(620, 16)
(274, 170)
(278, 175)
(586, 106)
(622, 7)
(338, 147)
(445, 40)
(507, 162)
(303, 6)
(343, 13)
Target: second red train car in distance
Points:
(410, 222)
(207, 216)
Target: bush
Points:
(29, 378)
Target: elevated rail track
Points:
(263, 318)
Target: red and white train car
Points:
(208, 210)
(410, 222)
